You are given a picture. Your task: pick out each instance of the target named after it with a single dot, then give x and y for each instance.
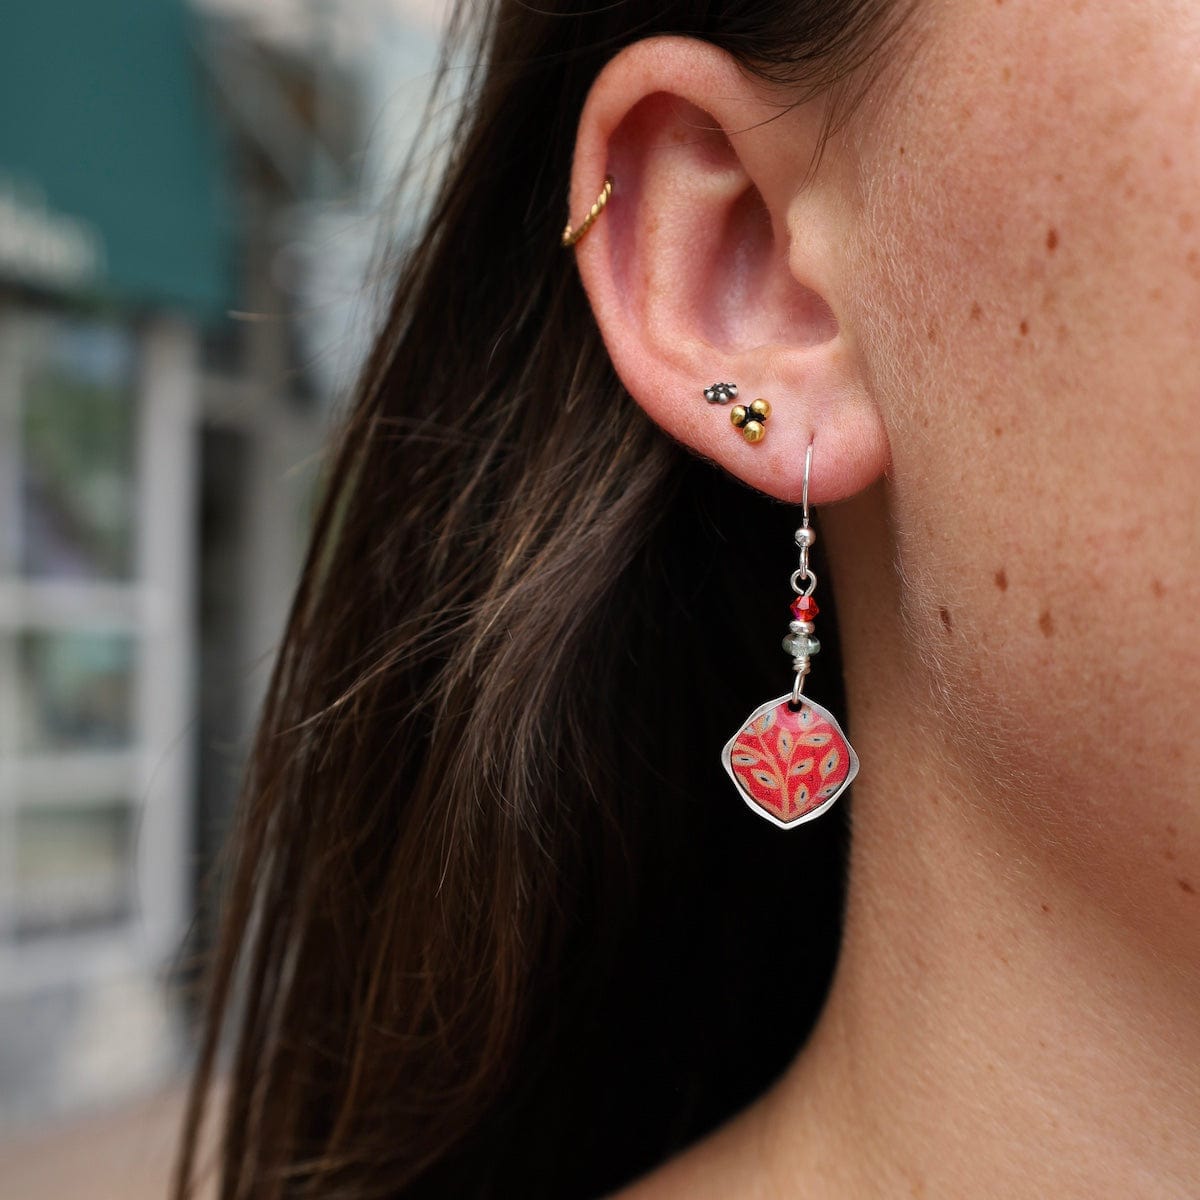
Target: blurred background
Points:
(194, 198)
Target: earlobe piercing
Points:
(751, 420)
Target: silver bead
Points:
(805, 535)
(801, 626)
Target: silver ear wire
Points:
(807, 472)
(801, 644)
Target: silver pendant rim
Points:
(727, 760)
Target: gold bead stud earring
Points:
(751, 420)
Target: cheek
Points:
(1033, 254)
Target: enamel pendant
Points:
(790, 765)
(790, 760)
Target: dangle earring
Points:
(790, 761)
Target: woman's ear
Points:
(718, 259)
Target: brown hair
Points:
(496, 922)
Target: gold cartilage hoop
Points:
(571, 236)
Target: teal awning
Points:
(112, 180)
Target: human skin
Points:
(984, 309)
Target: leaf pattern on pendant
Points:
(774, 759)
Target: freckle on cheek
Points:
(1002, 579)
(976, 311)
(1046, 622)
(1184, 886)
(1156, 586)
(1052, 240)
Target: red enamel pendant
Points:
(790, 765)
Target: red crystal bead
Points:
(804, 608)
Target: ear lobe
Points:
(694, 275)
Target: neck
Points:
(993, 1027)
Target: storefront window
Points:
(73, 626)
(78, 423)
(74, 867)
(75, 690)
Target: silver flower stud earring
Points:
(721, 393)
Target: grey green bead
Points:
(801, 645)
